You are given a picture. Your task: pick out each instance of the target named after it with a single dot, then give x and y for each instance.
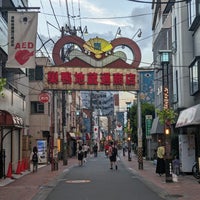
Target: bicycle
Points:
(195, 170)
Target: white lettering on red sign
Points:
(44, 97)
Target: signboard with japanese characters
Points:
(72, 78)
(93, 65)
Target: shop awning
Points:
(189, 116)
(156, 128)
(10, 120)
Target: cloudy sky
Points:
(102, 18)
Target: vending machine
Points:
(187, 152)
(42, 151)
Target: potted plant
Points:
(166, 116)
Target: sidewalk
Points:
(187, 187)
(27, 185)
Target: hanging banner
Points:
(148, 125)
(22, 30)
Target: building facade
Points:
(176, 30)
(13, 102)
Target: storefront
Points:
(11, 127)
(157, 136)
(188, 125)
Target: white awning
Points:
(189, 116)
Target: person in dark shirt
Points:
(95, 150)
(112, 153)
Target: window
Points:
(174, 43)
(37, 107)
(194, 76)
(193, 13)
(36, 74)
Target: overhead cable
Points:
(159, 2)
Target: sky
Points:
(102, 17)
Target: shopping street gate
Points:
(95, 64)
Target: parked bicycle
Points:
(195, 170)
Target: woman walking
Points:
(80, 155)
(160, 167)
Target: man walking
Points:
(34, 159)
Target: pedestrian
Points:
(80, 155)
(34, 158)
(160, 166)
(124, 147)
(176, 166)
(129, 149)
(113, 153)
(85, 151)
(95, 150)
(106, 149)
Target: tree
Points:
(146, 109)
(166, 116)
(2, 84)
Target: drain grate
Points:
(46, 186)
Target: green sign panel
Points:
(148, 124)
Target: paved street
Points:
(95, 180)
(96, 174)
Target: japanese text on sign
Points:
(100, 78)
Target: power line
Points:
(54, 14)
(103, 18)
(159, 2)
(136, 16)
(100, 18)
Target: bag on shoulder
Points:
(80, 153)
(35, 157)
(114, 151)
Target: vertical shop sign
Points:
(22, 30)
(148, 123)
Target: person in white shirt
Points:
(85, 150)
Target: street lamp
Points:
(165, 59)
(118, 33)
(138, 33)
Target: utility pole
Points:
(139, 133)
(91, 119)
(64, 156)
(165, 60)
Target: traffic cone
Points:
(18, 171)
(22, 166)
(9, 172)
